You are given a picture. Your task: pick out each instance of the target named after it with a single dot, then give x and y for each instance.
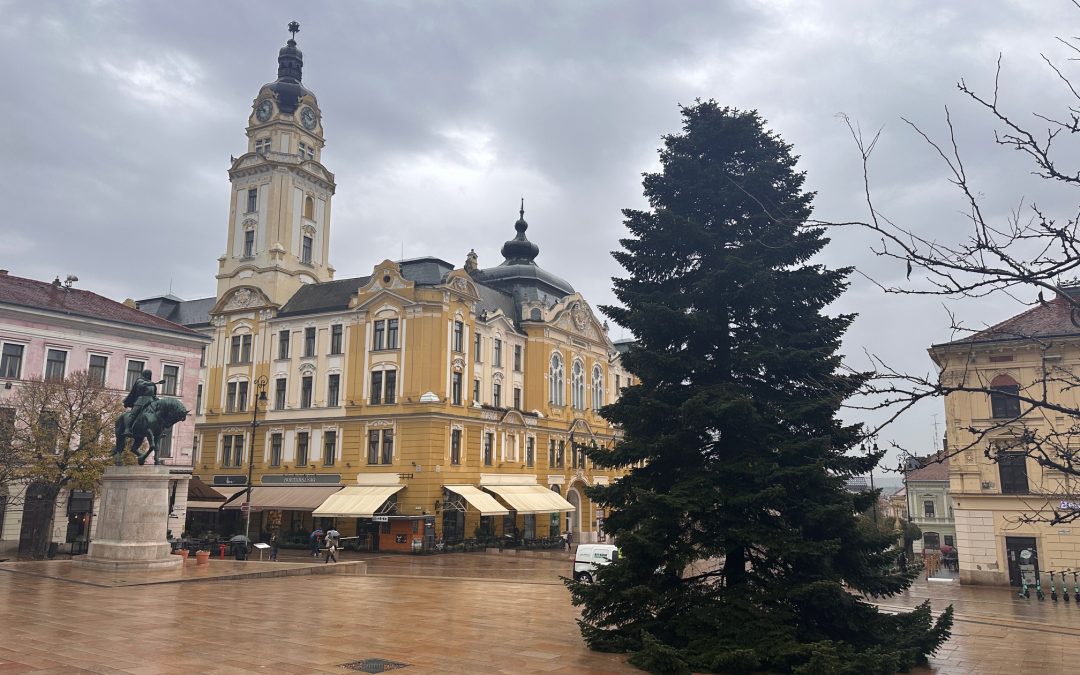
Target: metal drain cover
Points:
(374, 665)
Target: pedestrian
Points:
(273, 548)
(569, 540)
(316, 535)
(902, 562)
(240, 550)
(331, 545)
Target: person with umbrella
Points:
(240, 546)
(316, 536)
(332, 537)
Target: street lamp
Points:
(260, 397)
(867, 450)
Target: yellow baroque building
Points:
(1002, 499)
(420, 403)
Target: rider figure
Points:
(143, 392)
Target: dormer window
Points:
(262, 145)
(306, 151)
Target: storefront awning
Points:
(479, 500)
(530, 498)
(291, 498)
(356, 501)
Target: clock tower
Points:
(279, 212)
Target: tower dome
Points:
(519, 274)
(287, 87)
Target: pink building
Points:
(53, 329)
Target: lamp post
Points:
(867, 449)
(260, 397)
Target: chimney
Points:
(3, 273)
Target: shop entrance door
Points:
(1014, 552)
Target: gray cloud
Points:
(439, 116)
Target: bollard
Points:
(221, 551)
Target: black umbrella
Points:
(240, 537)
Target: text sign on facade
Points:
(230, 480)
(380, 519)
(302, 479)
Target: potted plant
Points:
(202, 557)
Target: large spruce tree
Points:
(741, 550)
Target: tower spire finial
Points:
(522, 211)
(294, 28)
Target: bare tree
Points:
(61, 439)
(1031, 257)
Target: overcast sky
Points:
(440, 116)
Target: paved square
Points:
(459, 613)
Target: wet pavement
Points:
(453, 613)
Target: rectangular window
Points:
(478, 348)
(618, 386)
(373, 446)
(262, 146)
(329, 448)
(388, 446)
(97, 368)
(455, 389)
(336, 332)
(11, 362)
(234, 353)
(391, 333)
(305, 392)
(928, 509)
(476, 390)
(496, 395)
(455, 446)
(378, 339)
(302, 449)
(1004, 401)
(171, 375)
(1012, 467)
(253, 200)
(202, 356)
(530, 451)
(238, 450)
(226, 451)
(198, 400)
(280, 390)
(551, 453)
(275, 450)
(241, 396)
(498, 353)
(489, 449)
(560, 459)
(309, 341)
(230, 397)
(55, 363)
(305, 252)
(390, 384)
(249, 243)
(134, 372)
(517, 358)
(283, 344)
(517, 398)
(333, 390)
(376, 387)
(307, 151)
(245, 349)
(458, 344)
(164, 448)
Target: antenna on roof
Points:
(402, 251)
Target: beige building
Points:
(991, 500)
(929, 505)
(424, 401)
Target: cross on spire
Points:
(294, 28)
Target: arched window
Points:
(1004, 403)
(309, 208)
(577, 385)
(556, 382)
(597, 387)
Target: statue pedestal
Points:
(133, 521)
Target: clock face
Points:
(307, 118)
(264, 111)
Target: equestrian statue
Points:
(148, 418)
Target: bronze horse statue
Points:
(156, 417)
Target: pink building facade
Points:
(54, 329)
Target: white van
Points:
(589, 557)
